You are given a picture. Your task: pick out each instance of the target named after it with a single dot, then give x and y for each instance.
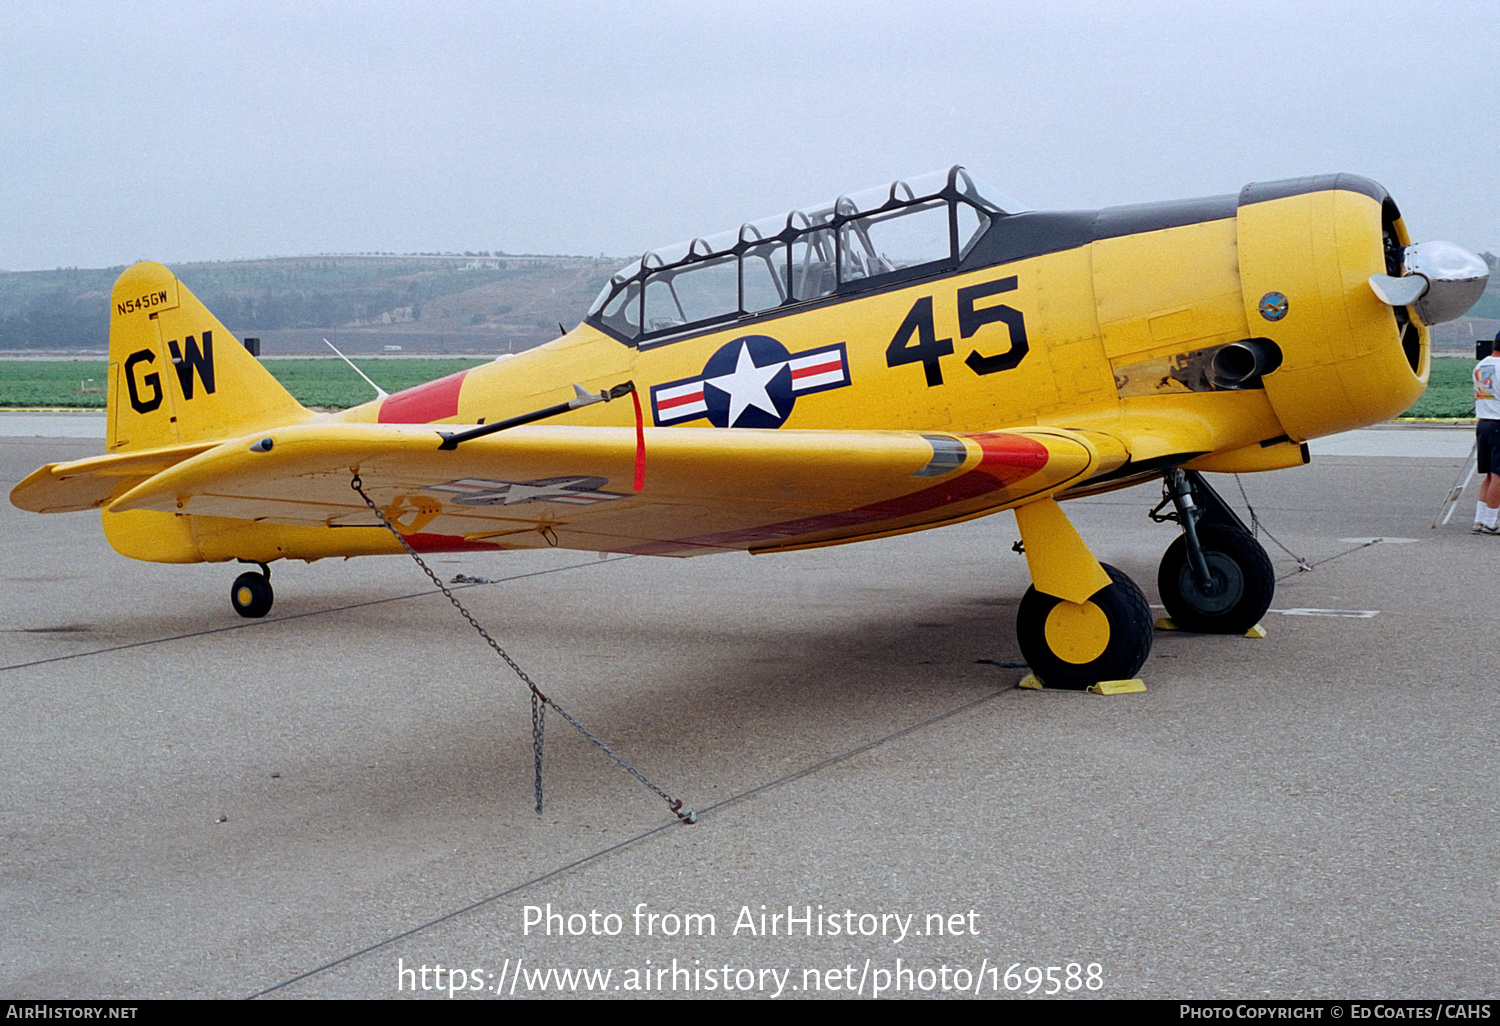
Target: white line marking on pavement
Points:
(1350, 614)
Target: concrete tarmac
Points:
(313, 804)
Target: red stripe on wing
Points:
(448, 543)
(1006, 459)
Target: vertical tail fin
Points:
(177, 375)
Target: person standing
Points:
(1487, 430)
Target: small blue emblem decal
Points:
(1273, 306)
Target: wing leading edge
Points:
(706, 490)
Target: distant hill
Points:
(418, 304)
(458, 303)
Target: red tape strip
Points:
(640, 443)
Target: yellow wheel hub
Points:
(1076, 632)
(243, 596)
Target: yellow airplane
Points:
(901, 358)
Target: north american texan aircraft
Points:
(902, 358)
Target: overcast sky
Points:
(205, 131)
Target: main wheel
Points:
(1073, 645)
(251, 595)
(1243, 580)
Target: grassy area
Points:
(328, 383)
(79, 383)
(1450, 390)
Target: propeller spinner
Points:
(1442, 281)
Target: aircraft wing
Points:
(706, 489)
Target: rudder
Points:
(177, 375)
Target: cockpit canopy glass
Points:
(910, 228)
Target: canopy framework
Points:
(864, 240)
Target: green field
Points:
(331, 385)
(1450, 390)
(324, 383)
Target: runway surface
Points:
(312, 804)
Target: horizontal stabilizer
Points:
(96, 481)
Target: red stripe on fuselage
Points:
(1006, 459)
(424, 404)
(821, 368)
(681, 400)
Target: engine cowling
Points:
(1307, 249)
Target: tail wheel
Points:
(251, 595)
(1243, 582)
(1073, 645)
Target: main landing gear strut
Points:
(1215, 578)
(251, 593)
(1081, 621)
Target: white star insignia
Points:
(746, 385)
(575, 491)
(519, 493)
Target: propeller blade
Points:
(1398, 291)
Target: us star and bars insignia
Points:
(752, 382)
(572, 491)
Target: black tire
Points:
(1130, 631)
(251, 595)
(1239, 565)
